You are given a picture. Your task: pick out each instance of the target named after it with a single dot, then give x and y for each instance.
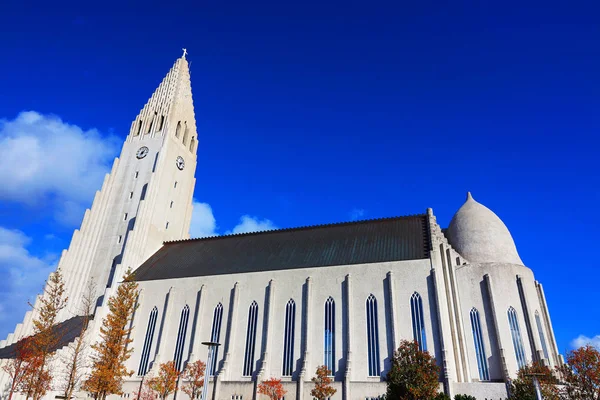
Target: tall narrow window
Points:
(373, 337)
(250, 339)
(139, 129)
(288, 338)
(180, 344)
(482, 365)
(162, 122)
(214, 337)
(193, 144)
(178, 129)
(125, 217)
(148, 342)
(538, 322)
(171, 205)
(130, 195)
(418, 321)
(515, 332)
(329, 339)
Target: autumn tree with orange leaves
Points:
(112, 351)
(522, 388)
(145, 393)
(165, 383)
(272, 388)
(581, 374)
(45, 339)
(16, 368)
(322, 381)
(193, 379)
(413, 374)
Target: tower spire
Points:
(156, 117)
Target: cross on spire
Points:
(184, 52)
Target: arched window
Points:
(250, 339)
(193, 144)
(418, 320)
(288, 338)
(515, 332)
(373, 336)
(185, 134)
(214, 337)
(178, 129)
(329, 345)
(148, 342)
(181, 332)
(538, 322)
(482, 365)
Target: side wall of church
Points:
(348, 286)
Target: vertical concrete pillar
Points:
(459, 326)
(229, 338)
(307, 339)
(393, 308)
(267, 336)
(501, 348)
(196, 339)
(534, 337)
(445, 365)
(349, 345)
(558, 360)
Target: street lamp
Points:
(212, 346)
(536, 384)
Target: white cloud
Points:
(583, 340)
(44, 160)
(203, 221)
(356, 214)
(252, 224)
(22, 276)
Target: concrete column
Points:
(307, 339)
(165, 326)
(445, 366)
(546, 314)
(229, 338)
(460, 328)
(195, 337)
(501, 348)
(266, 335)
(393, 308)
(349, 344)
(534, 338)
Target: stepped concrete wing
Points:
(480, 236)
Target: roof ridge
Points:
(297, 228)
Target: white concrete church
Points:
(283, 302)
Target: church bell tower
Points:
(146, 198)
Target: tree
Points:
(16, 368)
(413, 375)
(581, 374)
(74, 358)
(165, 383)
(145, 393)
(464, 397)
(522, 388)
(272, 388)
(112, 351)
(193, 377)
(322, 381)
(45, 339)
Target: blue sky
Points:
(314, 113)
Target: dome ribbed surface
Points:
(480, 236)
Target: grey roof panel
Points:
(363, 242)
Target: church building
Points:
(281, 303)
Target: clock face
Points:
(142, 152)
(179, 162)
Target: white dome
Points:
(480, 236)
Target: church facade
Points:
(281, 303)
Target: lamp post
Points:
(536, 384)
(211, 350)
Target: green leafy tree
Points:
(413, 375)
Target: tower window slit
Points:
(125, 217)
(137, 173)
(167, 225)
(139, 129)
(162, 122)
(288, 339)
(120, 239)
(130, 195)
(171, 205)
(418, 321)
(175, 185)
(250, 339)
(482, 365)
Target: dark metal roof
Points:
(68, 331)
(389, 239)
